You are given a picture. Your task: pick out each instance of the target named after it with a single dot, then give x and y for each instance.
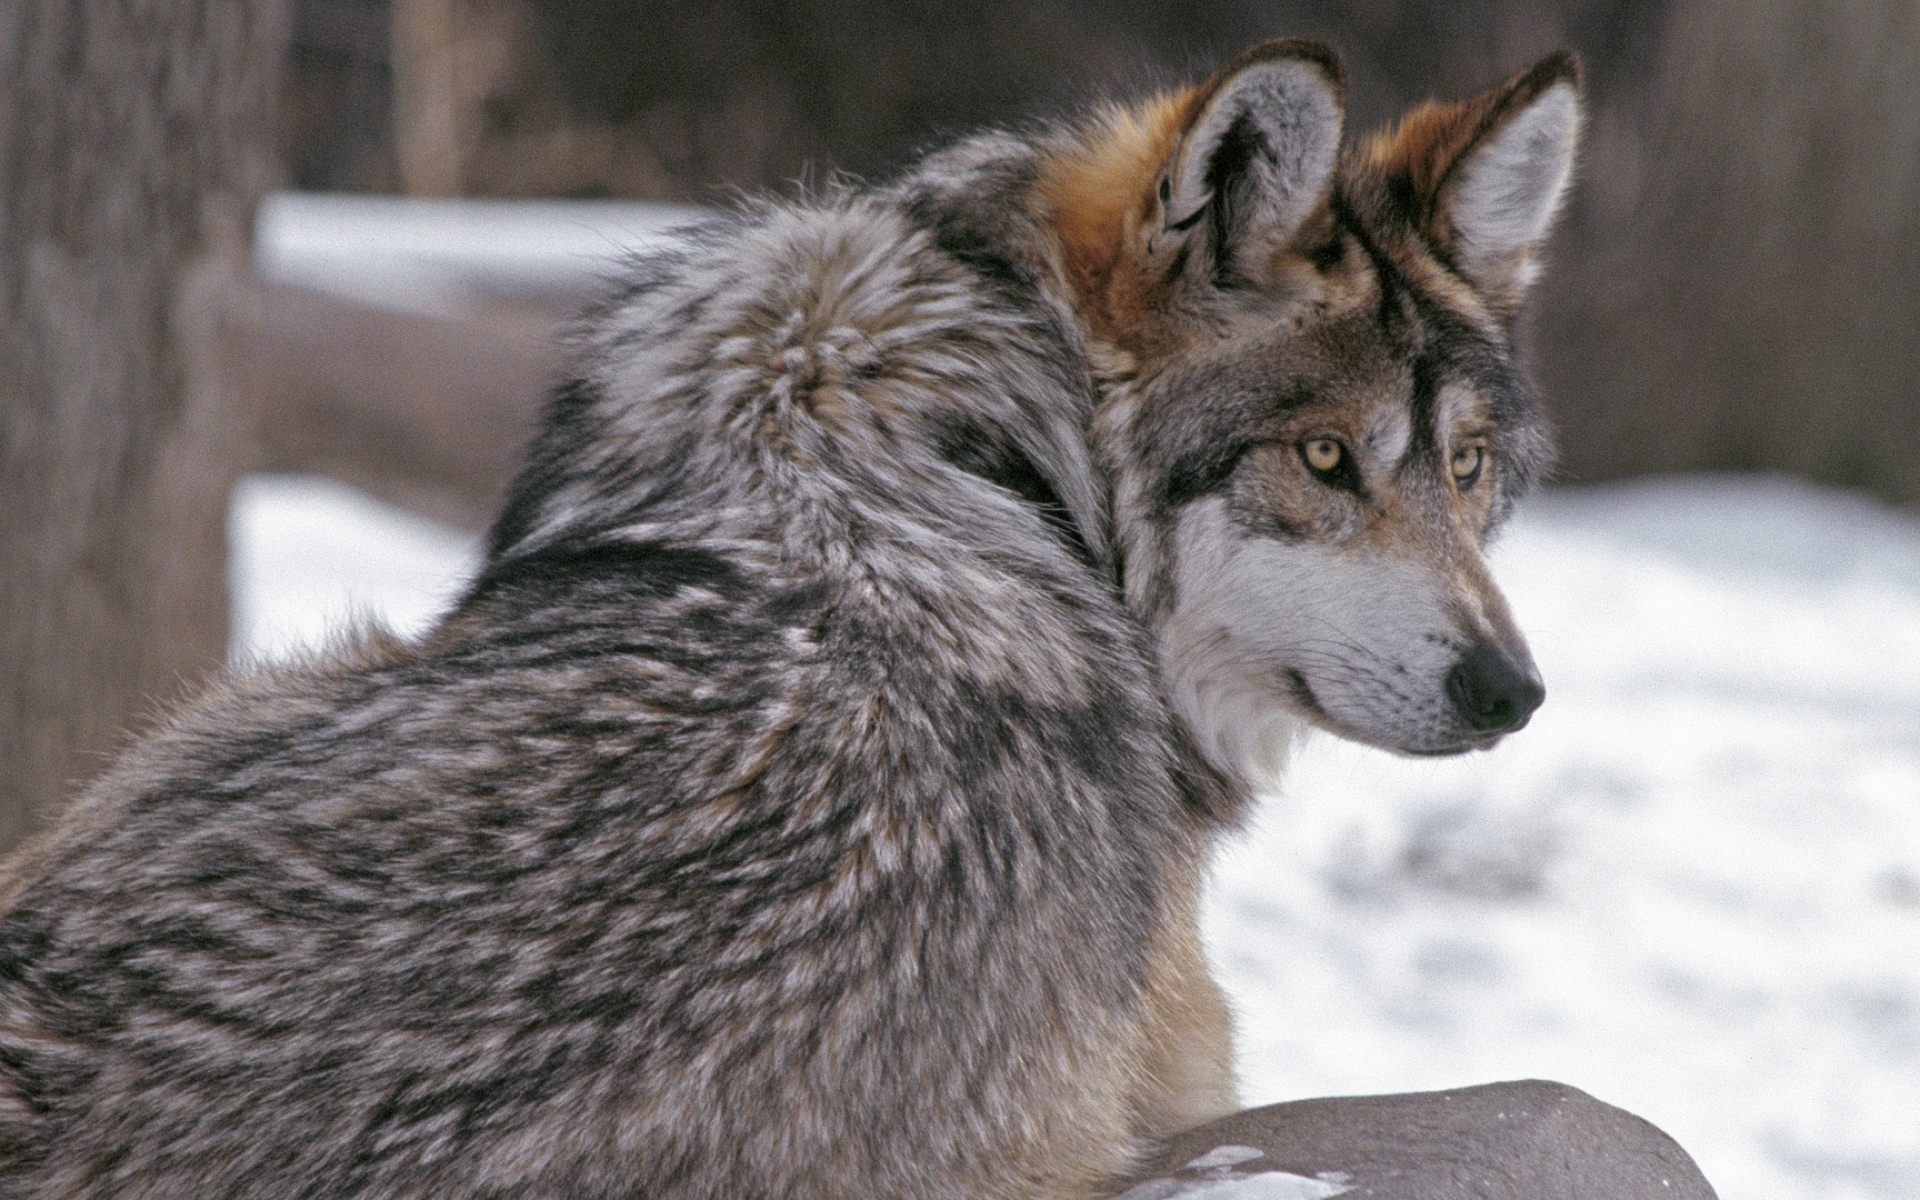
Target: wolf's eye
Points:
(1466, 464)
(1323, 454)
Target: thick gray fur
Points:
(705, 850)
(792, 809)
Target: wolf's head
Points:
(1313, 416)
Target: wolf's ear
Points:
(1497, 199)
(1255, 158)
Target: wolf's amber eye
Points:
(1323, 454)
(1466, 464)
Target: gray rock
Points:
(1528, 1140)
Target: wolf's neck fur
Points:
(1097, 193)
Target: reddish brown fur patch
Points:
(1100, 194)
(1418, 155)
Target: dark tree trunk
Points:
(135, 139)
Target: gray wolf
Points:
(811, 796)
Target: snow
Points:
(1690, 887)
(308, 558)
(1264, 1185)
(1225, 1156)
(435, 256)
(1213, 1176)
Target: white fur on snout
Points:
(1369, 634)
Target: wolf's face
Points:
(1313, 416)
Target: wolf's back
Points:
(716, 831)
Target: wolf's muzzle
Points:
(1494, 691)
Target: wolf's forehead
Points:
(1430, 330)
(1388, 434)
(1387, 437)
(1382, 260)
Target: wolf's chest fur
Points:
(811, 796)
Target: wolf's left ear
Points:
(1498, 198)
(1256, 156)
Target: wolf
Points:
(810, 798)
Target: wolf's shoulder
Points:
(954, 241)
(793, 370)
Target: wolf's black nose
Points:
(1494, 692)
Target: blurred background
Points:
(278, 285)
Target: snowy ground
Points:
(1691, 887)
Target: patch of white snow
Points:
(1224, 1156)
(1267, 1185)
(308, 558)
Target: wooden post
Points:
(135, 140)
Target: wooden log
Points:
(1528, 1140)
(427, 412)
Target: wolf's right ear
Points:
(1255, 159)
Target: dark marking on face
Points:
(1328, 254)
(1422, 405)
(1201, 472)
(1386, 274)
